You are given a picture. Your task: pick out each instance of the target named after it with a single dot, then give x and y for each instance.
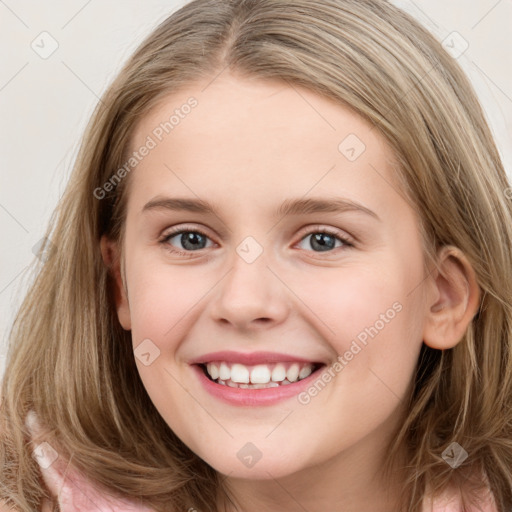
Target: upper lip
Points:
(251, 358)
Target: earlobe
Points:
(454, 302)
(110, 254)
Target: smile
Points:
(261, 376)
(256, 378)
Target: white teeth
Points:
(305, 372)
(260, 374)
(224, 371)
(213, 370)
(279, 373)
(239, 373)
(263, 386)
(293, 372)
(232, 384)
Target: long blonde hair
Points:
(71, 362)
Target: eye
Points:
(193, 240)
(187, 239)
(325, 240)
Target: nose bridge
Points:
(250, 291)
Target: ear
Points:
(110, 252)
(454, 302)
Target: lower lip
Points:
(251, 397)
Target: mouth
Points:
(259, 376)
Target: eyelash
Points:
(180, 230)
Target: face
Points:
(307, 261)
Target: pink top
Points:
(75, 493)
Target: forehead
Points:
(259, 140)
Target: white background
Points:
(45, 103)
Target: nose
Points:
(250, 296)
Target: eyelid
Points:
(347, 241)
(342, 235)
(175, 230)
(171, 232)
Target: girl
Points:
(280, 280)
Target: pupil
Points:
(192, 238)
(319, 239)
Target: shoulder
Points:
(71, 489)
(450, 500)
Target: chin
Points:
(265, 468)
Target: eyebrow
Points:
(288, 207)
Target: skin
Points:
(247, 147)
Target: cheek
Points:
(370, 317)
(162, 297)
(350, 298)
